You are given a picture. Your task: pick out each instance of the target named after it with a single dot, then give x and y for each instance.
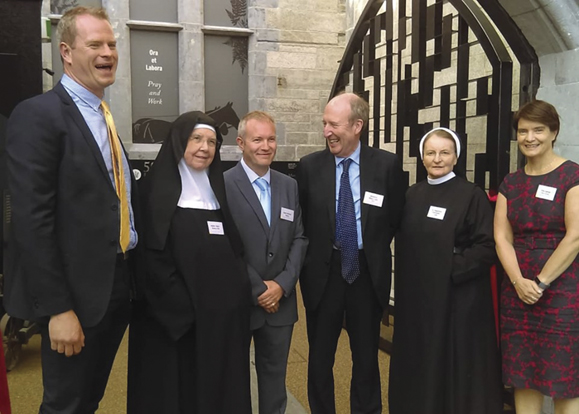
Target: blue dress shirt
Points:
(252, 175)
(354, 185)
(89, 106)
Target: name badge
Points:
(546, 193)
(287, 214)
(373, 199)
(215, 227)
(436, 212)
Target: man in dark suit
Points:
(73, 221)
(265, 207)
(352, 197)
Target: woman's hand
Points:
(529, 292)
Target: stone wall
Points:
(294, 55)
(293, 58)
(552, 28)
(560, 86)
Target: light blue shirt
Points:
(89, 106)
(354, 185)
(252, 175)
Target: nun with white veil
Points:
(189, 340)
(445, 358)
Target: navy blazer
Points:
(65, 220)
(380, 173)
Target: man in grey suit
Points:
(265, 207)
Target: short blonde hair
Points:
(67, 25)
(258, 116)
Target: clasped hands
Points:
(269, 300)
(529, 292)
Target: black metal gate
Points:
(461, 64)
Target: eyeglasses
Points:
(198, 139)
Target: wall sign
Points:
(155, 84)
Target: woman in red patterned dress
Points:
(537, 240)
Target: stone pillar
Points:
(191, 61)
(119, 94)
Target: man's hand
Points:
(66, 336)
(269, 300)
(273, 309)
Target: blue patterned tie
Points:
(346, 232)
(264, 197)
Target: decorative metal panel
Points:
(425, 63)
(461, 64)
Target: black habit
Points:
(189, 339)
(445, 358)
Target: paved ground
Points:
(26, 388)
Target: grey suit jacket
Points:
(271, 253)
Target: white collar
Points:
(354, 156)
(196, 191)
(252, 175)
(440, 180)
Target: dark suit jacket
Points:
(380, 173)
(271, 253)
(65, 220)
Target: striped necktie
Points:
(118, 173)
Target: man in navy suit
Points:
(69, 263)
(265, 207)
(347, 271)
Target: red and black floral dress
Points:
(540, 342)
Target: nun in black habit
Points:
(189, 339)
(445, 358)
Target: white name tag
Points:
(546, 193)
(373, 199)
(215, 227)
(436, 212)
(287, 214)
